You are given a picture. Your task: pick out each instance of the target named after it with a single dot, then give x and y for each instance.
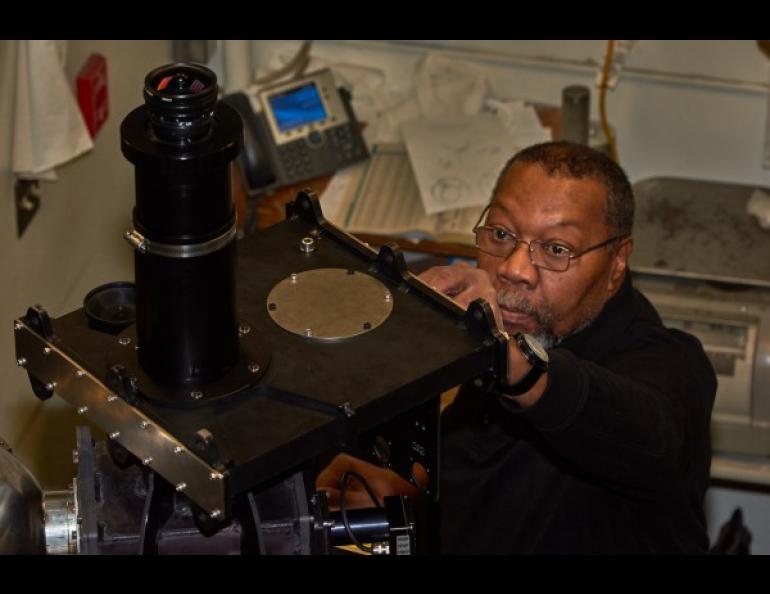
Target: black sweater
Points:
(613, 458)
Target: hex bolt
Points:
(114, 434)
(307, 245)
(215, 514)
(124, 340)
(82, 410)
(21, 361)
(244, 329)
(254, 368)
(46, 350)
(50, 385)
(196, 394)
(180, 487)
(147, 461)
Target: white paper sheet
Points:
(457, 166)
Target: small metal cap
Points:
(307, 245)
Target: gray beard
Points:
(545, 319)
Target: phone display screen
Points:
(296, 107)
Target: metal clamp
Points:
(191, 250)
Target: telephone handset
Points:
(306, 129)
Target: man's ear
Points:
(619, 264)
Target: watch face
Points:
(536, 347)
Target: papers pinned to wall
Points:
(456, 166)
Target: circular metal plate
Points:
(329, 303)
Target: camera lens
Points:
(181, 98)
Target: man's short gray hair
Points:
(579, 161)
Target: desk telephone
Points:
(306, 129)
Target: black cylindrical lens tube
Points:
(181, 143)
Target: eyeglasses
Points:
(501, 243)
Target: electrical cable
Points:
(343, 510)
(603, 100)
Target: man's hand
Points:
(381, 481)
(464, 284)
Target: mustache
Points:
(509, 299)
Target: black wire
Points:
(343, 511)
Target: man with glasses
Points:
(598, 439)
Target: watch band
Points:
(539, 366)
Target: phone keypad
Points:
(320, 153)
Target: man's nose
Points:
(518, 267)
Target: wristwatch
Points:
(537, 356)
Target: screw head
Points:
(180, 487)
(307, 245)
(308, 332)
(111, 398)
(244, 329)
(147, 461)
(18, 325)
(271, 306)
(215, 514)
(293, 277)
(21, 361)
(82, 410)
(216, 476)
(80, 373)
(254, 368)
(114, 435)
(46, 350)
(178, 450)
(367, 326)
(196, 394)
(388, 297)
(50, 385)
(144, 425)
(124, 340)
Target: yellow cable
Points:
(603, 100)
